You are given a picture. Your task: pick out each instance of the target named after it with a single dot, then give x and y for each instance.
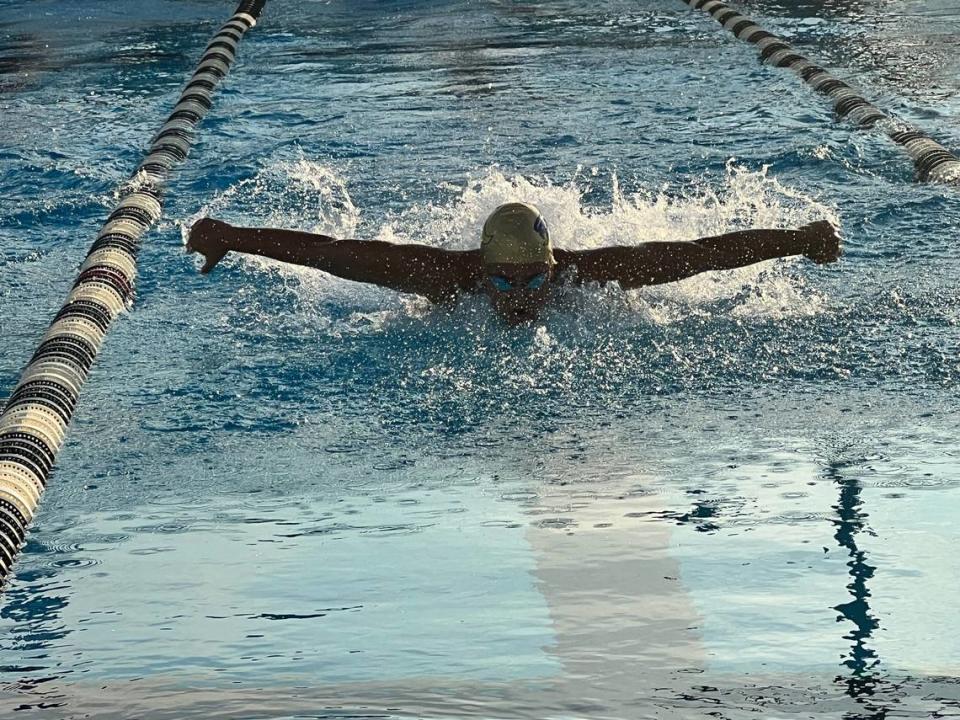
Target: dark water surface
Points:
(287, 495)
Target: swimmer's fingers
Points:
(824, 242)
(211, 260)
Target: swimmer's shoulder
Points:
(565, 259)
(454, 273)
(566, 270)
(466, 269)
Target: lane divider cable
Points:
(34, 420)
(933, 161)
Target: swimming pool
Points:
(286, 495)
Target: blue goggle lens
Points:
(504, 285)
(536, 282)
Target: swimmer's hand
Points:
(209, 238)
(823, 243)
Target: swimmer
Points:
(516, 266)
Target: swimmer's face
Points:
(518, 292)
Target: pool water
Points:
(285, 495)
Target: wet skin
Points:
(442, 275)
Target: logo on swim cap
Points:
(516, 234)
(541, 227)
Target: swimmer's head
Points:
(516, 233)
(518, 261)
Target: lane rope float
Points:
(932, 160)
(34, 421)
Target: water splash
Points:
(308, 195)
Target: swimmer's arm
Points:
(653, 263)
(435, 273)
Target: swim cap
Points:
(516, 233)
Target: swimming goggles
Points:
(503, 284)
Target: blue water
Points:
(287, 495)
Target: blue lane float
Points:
(932, 160)
(34, 421)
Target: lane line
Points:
(934, 162)
(33, 424)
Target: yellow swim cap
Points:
(516, 233)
